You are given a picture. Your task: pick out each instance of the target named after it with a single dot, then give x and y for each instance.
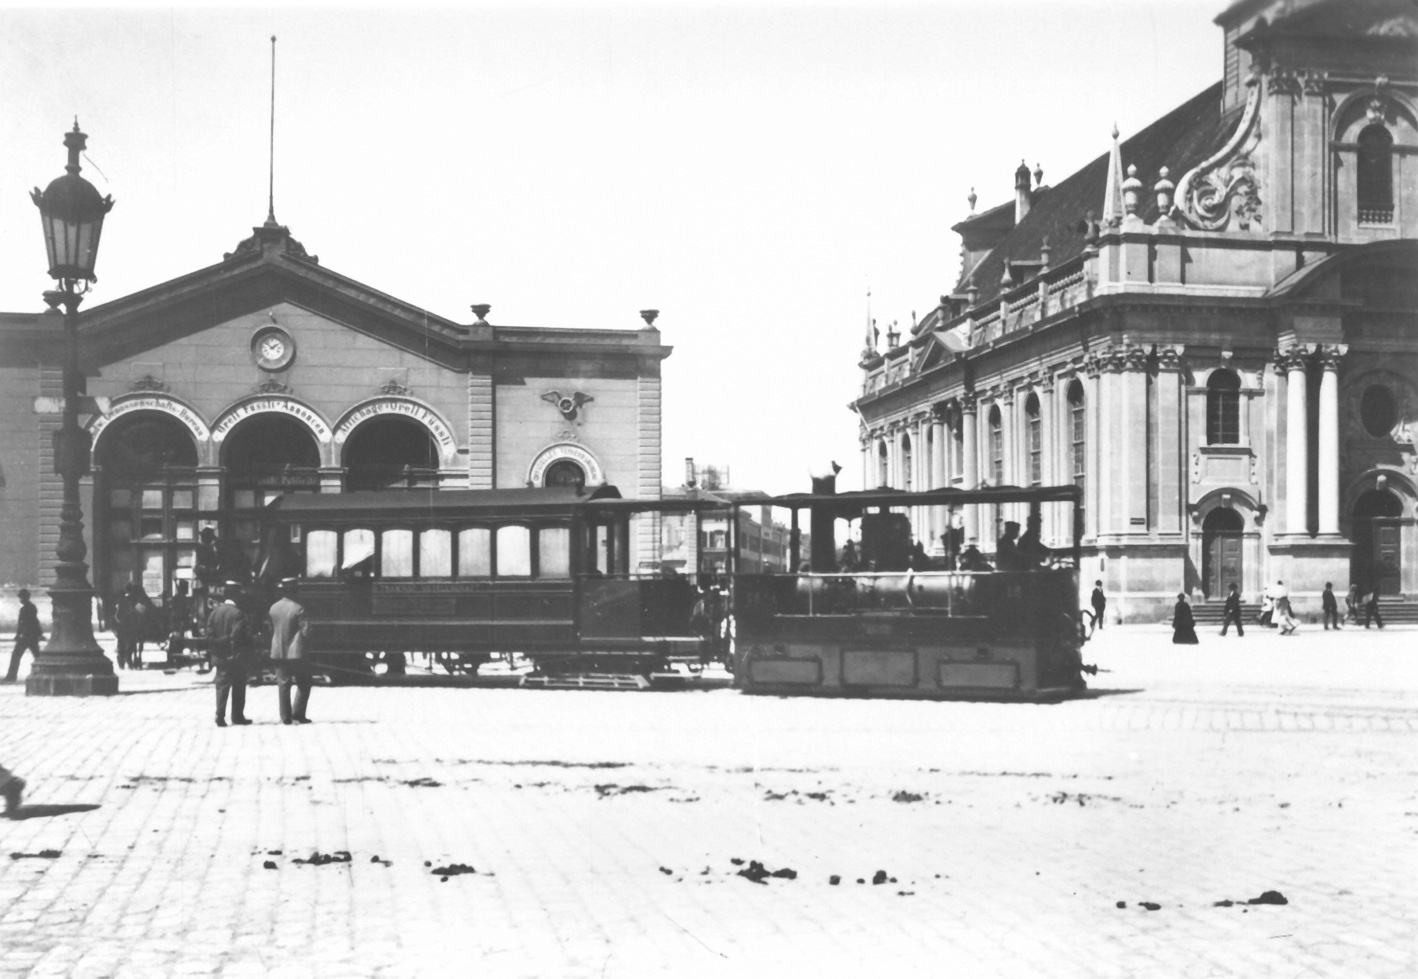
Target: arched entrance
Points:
(564, 472)
(1221, 534)
(389, 451)
(1377, 559)
(265, 455)
(146, 505)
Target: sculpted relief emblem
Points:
(568, 404)
(1223, 192)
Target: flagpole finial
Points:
(271, 191)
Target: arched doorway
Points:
(564, 472)
(1377, 557)
(1221, 534)
(146, 505)
(265, 455)
(390, 451)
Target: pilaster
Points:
(482, 419)
(969, 428)
(1171, 442)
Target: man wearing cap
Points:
(229, 638)
(288, 631)
(27, 635)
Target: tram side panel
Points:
(936, 635)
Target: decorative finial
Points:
(1163, 189)
(972, 292)
(1115, 130)
(1044, 252)
(972, 198)
(1131, 186)
(648, 315)
(480, 310)
(1038, 175)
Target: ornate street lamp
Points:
(72, 213)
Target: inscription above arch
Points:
(404, 407)
(272, 404)
(536, 473)
(127, 404)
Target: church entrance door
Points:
(1378, 529)
(1221, 551)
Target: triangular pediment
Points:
(258, 277)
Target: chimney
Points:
(1021, 192)
(689, 471)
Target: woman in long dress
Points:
(1183, 625)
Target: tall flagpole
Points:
(271, 200)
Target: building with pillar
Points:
(1212, 329)
(268, 373)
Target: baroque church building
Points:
(1212, 329)
(268, 373)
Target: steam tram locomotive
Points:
(897, 625)
(463, 575)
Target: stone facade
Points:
(1213, 329)
(268, 373)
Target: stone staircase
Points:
(1392, 610)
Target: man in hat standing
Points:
(229, 638)
(288, 631)
(27, 635)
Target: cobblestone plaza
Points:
(536, 833)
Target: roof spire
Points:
(271, 198)
(1113, 195)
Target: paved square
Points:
(607, 831)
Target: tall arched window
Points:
(1223, 408)
(1375, 175)
(883, 465)
(1079, 436)
(906, 463)
(1036, 440)
(996, 447)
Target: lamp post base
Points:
(71, 685)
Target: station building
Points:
(1212, 329)
(268, 373)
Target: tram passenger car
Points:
(465, 575)
(899, 625)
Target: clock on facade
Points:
(272, 348)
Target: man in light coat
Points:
(288, 631)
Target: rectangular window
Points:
(435, 554)
(396, 554)
(182, 499)
(359, 547)
(474, 552)
(320, 554)
(554, 552)
(514, 551)
(152, 499)
(1036, 454)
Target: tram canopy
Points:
(403, 502)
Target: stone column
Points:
(1048, 455)
(1093, 476)
(938, 451)
(1329, 440)
(969, 429)
(1010, 442)
(1297, 444)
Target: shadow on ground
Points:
(39, 812)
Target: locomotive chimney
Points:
(823, 523)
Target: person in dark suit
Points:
(1233, 611)
(1100, 604)
(288, 631)
(1183, 624)
(28, 635)
(1371, 609)
(1330, 605)
(229, 639)
(12, 789)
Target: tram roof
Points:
(946, 496)
(406, 501)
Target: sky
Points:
(753, 171)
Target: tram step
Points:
(588, 681)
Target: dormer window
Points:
(1375, 175)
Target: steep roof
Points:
(1179, 141)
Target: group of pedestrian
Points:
(1276, 611)
(231, 643)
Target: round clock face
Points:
(272, 348)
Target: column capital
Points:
(1046, 382)
(1006, 395)
(1169, 356)
(969, 403)
(1331, 354)
(1293, 358)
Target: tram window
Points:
(474, 552)
(152, 499)
(435, 554)
(320, 554)
(186, 530)
(359, 546)
(514, 551)
(182, 499)
(152, 528)
(396, 556)
(186, 559)
(554, 552)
